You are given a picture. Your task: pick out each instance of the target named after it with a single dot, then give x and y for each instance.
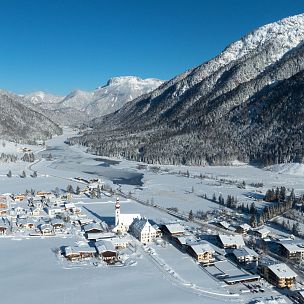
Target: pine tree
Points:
(296, 229)
(253, 221)
(23, 174)
(252, 209)
(190, 217)
(77, 190)
(9, 174)
(70, 189)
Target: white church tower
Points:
(117, 212)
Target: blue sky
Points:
(61, 45)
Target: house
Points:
(280, 275)
(4, 225)
(143, 230)
(4, 211)
(35, 211)
(69, 207)
(202, 252)
(174, 229)
(106, 250)
(261, 232)
(46, 229)
(291, 251)
(86, 251)
(57, 223)
(92, 228)
(3, 205)
(19, 210)
(123, 221)
(52, 212)
(26, 223)
(43, 194)
(246, 257)
(120, 243)
(243, 229)
(231, 241)
(19, 197)
(71, 253)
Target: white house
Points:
(143, 230)
(52, 212)
(262, 232)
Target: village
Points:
(245, 261)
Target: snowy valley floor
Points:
(31, 272)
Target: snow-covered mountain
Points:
(41, 97)
(22, 124)
(90, 104)
(234, 106)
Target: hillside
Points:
(21, 124)
(245, 104)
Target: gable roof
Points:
(104, 245)
(142, 225)
(201, 248)
(92, 226)
(175, 228)
(244, 252)
(232, 240)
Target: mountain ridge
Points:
(194, 108)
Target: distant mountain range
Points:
(38, 115)
(246, 104)
(80, 106)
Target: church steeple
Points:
(117, 211)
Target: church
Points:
(123, 220)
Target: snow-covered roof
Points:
(282, 271)
(57, 222)
(175, 228)
(293, 247)
(201, 248)
(244, 252)
(245, 226)
(262, 230)
(92, 226)
(104, 245)
(70, 250)
(69, 205)
(127, 219)
(142, 225)
(85, 220)
(232, 240)
(186, 239)
(86, 249)
(225, 224)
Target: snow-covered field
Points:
(30, 270)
